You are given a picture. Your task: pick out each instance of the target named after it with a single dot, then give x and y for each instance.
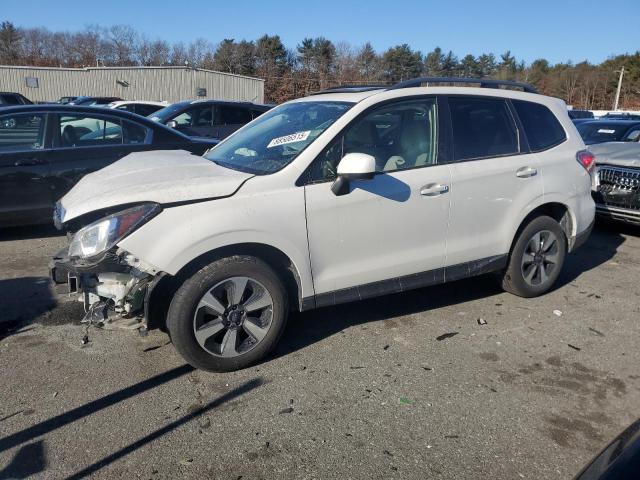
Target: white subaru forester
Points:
(343, 195)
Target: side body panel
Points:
(487, 200)
(383, 228)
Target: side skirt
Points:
(408, 282)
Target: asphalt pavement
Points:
(448, 382)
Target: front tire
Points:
(536, 259)
(229, 314)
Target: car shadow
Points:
(307, 328)
(22, 300)
(601, 247)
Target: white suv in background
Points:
(343, 195)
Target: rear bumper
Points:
(582, 237)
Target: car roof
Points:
(79, 109)
(358, 96)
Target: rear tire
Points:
(536, 259)
(228, 315)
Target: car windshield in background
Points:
(166, 113)
(600, 132)
(277, 137)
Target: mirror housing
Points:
(172, 124)
(353, 166)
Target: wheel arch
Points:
(560, 212)
(159, 298)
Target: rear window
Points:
(9, 99)
(542, 128)
(600, 131)
(482, 127)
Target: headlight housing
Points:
(103, 234)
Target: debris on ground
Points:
(444, 336)
(428, 369)
(186, 462)
(386, 347)
(597, 332)
(356, 367)
(55, 394)
(482, 321)
(404, 401)
(206, 423)
(286, 410)
(452, 436)
(557, 313)
(85, 340)
(574, 347)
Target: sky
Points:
(558, 30)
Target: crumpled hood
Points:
(163, 177)
(622, 154)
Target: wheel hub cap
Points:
(233, 317)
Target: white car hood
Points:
(622, 154)
(163, 177)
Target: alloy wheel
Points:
(233, 317)
(540, 258)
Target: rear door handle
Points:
(29, 162)
(526, 172)
(433, 189)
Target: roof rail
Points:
(350, 89)
(482, 82)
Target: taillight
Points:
(587, 160)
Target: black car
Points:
(209, 118)
(575, 114)
(621, 116)
(46, 149)
(8, 99)
(89, 101)
(600, 131)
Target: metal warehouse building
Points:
(172, 84)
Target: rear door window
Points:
(83, 131)
(542, 128)
(21, 132)
(482, 128)
(10, 99)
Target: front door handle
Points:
(526, 172)
(433, 189)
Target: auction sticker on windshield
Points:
(292, 138)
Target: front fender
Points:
(180, 234)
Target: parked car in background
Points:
(601, 131)
(208, 118)
(11, 98)
(340, 196)
(91, 101)
(50, 147)
(65, 100)
(575, 114)
(616, 189)
(143, 108)
(621, 116)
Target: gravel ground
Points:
(405, 386)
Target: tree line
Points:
(317, 63)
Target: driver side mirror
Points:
(353, 166)
(172, 124)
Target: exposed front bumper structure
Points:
(114, 287)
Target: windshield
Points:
(277, 137)
(600, 132)
(165, 114)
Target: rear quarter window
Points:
(542, 128)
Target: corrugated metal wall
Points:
(145, 83)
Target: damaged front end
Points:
(113, 284)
